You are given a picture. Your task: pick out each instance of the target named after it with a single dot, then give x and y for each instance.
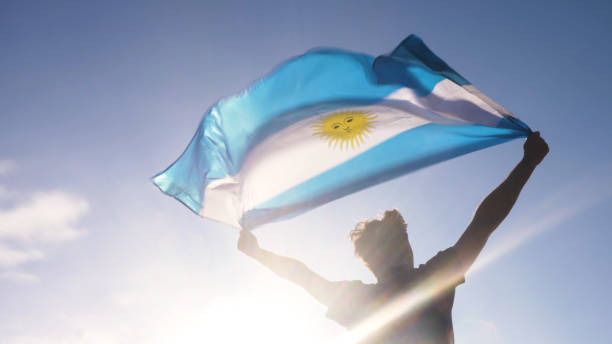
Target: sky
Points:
(97, 97)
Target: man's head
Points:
(383, 243)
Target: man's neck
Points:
(394, 275)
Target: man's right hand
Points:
(247, 243)
(535, 149)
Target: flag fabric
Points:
(326, 124)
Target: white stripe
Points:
(294, 155)
(290, 157)
(449, 103)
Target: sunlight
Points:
(586, 194)
(237, 319)
(399, 307)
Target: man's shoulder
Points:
(351, 290)
(349, 301)
(445, 264)
(444, 256)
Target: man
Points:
(407, 304)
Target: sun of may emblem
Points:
(345, 128)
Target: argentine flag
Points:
(326, 124)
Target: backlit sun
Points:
(344, 128)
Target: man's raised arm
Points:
(494, 208)
(288, 268)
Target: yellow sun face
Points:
(344, 128)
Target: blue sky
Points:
(95, 98)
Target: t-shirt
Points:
(418, 303)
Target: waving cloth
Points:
(329, 123)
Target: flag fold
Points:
(329, 123)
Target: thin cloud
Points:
(5, 194)
(7, 166)
(28, 227)
(12, 257)
(45, 217)
(18, 276)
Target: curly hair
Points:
(372, 235)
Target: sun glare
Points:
(522, 231)
(245, 318)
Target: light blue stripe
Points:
(414, 65)
(319, 81)
(406, 152)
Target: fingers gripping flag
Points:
(326, 124)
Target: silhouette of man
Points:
(426, 293)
